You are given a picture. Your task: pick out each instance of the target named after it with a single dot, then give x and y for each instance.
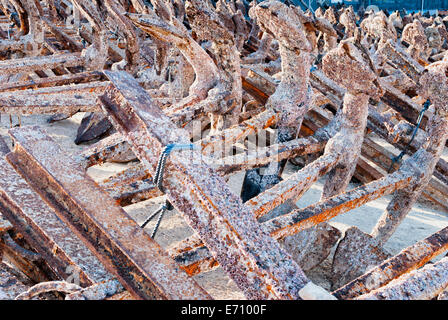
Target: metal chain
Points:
(158, 180)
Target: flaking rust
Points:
(42, 228)
(247, 87)
(158, 278)
(230, 247)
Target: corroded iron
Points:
(423, 284)
(144, 135)
(92, 220)
(43, 229)
(407, 260)
(247, 87)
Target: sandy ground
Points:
(422, 221)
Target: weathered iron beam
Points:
(238, 132)
(376, 123)
(194, 257)
(293, 187)
(434, 191)
(400, 59)
(252, 89)
(68, 98)
(64, 39)
(40, 63)
(135, 184)
(48, 104)
(225, 225)
(124, 248)
(266, 155)
(116, 148)
(53, 81)
(325, 210)
(28, 262)
(131, 185)
(328, 87)
(40, 226)
(409, 259)
(400, 102)
(95, 87)
(422, 284)
(113, 148)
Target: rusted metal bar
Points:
(116, 148)
(250, 88)
(40, 63)
(293, 187)
(409, 259)
(117, 240)
(47, 100)
(225, 225)
(434, 191)
(67, 41)
(258, 84)
(366, 173)
(96, 87)
(263, 156)
(113, 148)
(400, 59)
(194, 260)
(69, 98)
(53, 81)
(134, 184)
(325, 210)
(131, 185)
(40, 226)
(403, 104)
(27, 254)
(27, 262)
(328, 87)
(238, 132)
(48, 104)
(194, 257)
(377, 124)
(423, 284)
